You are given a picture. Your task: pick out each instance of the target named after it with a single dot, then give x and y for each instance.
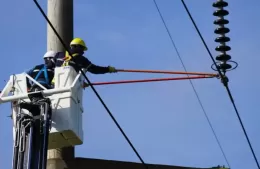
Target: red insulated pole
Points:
(166, 72)
(148, 80)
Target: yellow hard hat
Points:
(79, 41)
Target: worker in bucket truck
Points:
(43, 73)
(77, 48)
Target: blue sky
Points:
(163, 120)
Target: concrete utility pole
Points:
(60, 13)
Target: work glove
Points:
(112, 69)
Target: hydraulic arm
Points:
(31, 133)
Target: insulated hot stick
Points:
(199, 76)
(167, 72)
(148, 80)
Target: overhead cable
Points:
(195, 91)
(225, 84)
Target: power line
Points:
(195, 91)
(90, 84)
(226, 85)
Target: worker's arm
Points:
(92, 68)
(29, 72)
(27, 79)
(97, 69)
(35, 68)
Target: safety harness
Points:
(43, 70)
(67, 59)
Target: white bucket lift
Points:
(66, 98)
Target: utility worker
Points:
(77, 48)
(43, 73)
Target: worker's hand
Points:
(112, 69)
(84, 85)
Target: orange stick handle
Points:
(167, 72)
(148, 80)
